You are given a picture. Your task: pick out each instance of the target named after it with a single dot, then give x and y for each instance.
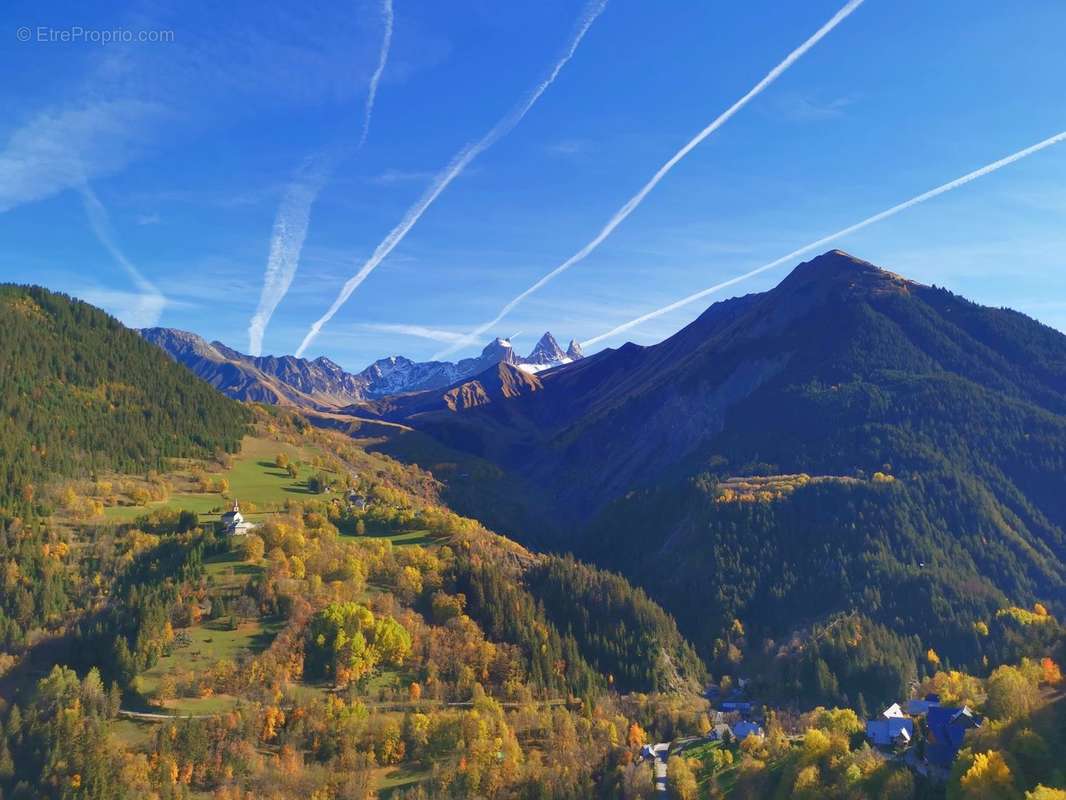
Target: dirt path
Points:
(147, 716)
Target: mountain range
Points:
(850, 441)
(321, 384)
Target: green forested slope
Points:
(843, 370)
(80, 393)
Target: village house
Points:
(947, 731)
(892, 728)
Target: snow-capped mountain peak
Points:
(547, 351)
(547, 354)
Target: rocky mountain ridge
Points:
(323, 384)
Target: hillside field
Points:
(254, 481)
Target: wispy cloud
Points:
(147, 219)
(128, 101)
(391, 177)
(416, 331)
(140, 310)
(825, 240)
(634, 202)
(806, 108)
(451, 172)
(294, 213)
(568, 148)
(58, 148)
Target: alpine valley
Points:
(850, 442)
(718, 557)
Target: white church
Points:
(234, 523)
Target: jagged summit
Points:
(547, 354)
(329, 364)
(499, 349)
(574, 351)
(546, 351)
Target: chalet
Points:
(234, 523)
(893, 711)
(917, 707)
(889, 731)
(742, 730)
(892, 728)
(947, 731)
(357, 500)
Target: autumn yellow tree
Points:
(681, 780)
(808, 782)
(703, 725)
(253, 548)
(272, 718)
(988, 778)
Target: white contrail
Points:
(286, 243)
(150, 301)
(375, 79)
(294, 213)
(635, 201)
(452, 171)
(939, 190)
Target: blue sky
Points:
(147, 177)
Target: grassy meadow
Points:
(253, 480)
